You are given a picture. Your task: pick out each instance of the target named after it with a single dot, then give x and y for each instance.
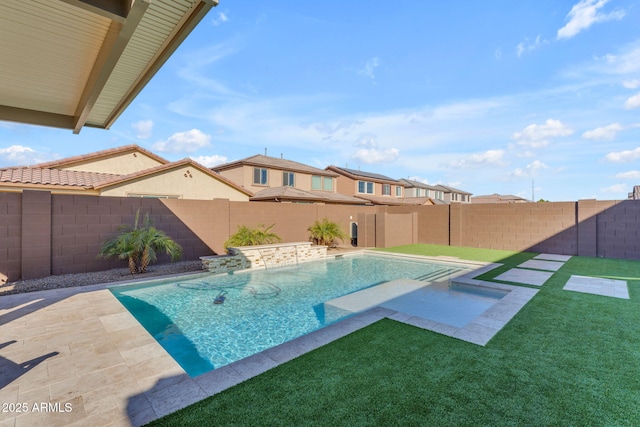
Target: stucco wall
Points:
(123, 164)
(186, 183)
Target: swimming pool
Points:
(261, 308)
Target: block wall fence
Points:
(43, 233)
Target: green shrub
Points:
(326, 233)
(246, 236)
(139, 245)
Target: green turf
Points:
(566, 359)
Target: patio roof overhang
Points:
(75, 63)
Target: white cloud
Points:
(530, 171)
(498, 53)
(584, 14)
(374, 155)
(631, 84)
(633, 102)
(210, 161)
(369, 68)
(488, 158)
(143, 128)
(370, 153)
(538, 135)
(606, 133)
(528, 46)
(220, 18)
(633, 175)
(623, 156)
(16, 152)
(188, 141)
(616, 188)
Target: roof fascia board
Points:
(180, 34)
(106, 62)
(33, 117)
(116, 10)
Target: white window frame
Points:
(288, 179)
(263, 173)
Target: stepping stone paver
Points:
(542, 265)
(527, 277)
(553, 257)
(598, 286)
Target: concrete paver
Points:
(598, 286)
(524, 276)
(542, 265)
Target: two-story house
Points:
(281, 180)
(454, 195)
(441, 194)
(375, 188)
(415, 188)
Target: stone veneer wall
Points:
(264, 256)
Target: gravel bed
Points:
(92, 278)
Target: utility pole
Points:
(533, 196)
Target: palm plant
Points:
(246, 236)
(326, 232)
(139, 245)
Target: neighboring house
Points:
(374, 188)
(420, 189)
(498, 198)
(453, 195)
(281, 180)
(635, 194)
(128, 171)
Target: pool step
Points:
(438, 274)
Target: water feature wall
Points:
(264, 256)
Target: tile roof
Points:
(392, 201)
(69, 161)
(98, 180)
(452, 190)
(274, 162)
(413, 183)
(291, 193)
(362, 174)
(46, 176)
(498, 198)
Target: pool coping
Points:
(145, 382)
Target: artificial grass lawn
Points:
(566, 358)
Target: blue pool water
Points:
(261, 309)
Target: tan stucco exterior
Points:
(243, 175)
(185, 182)
(121, 164)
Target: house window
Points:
(321, 183)
(454, 197)
(398, 191)
(316, 182)
(365, 187)
(327, 184)
(260, 176)
(288, 179)
(386, 189)
(439, 195)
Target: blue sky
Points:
(484, 96)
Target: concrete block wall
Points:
(10, 236)
(43, 234)
(617, 229)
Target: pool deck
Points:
(82, 355)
